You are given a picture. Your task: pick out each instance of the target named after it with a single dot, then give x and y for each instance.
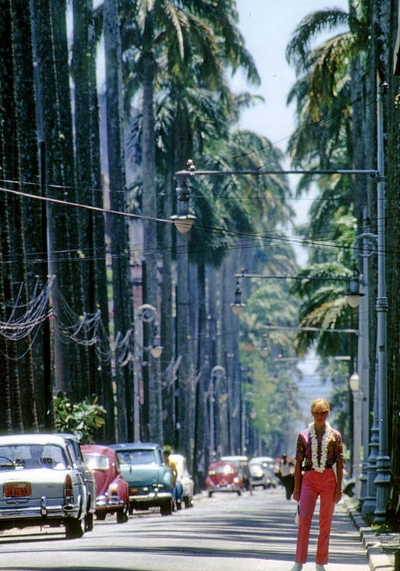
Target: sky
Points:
(267, 26)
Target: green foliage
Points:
(82, 419)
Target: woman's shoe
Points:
(297, 567)
(319, 567)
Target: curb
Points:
(378, 560)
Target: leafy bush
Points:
(81, 419)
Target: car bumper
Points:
(105, 503)
(43, 512)
(152, 498)
(231, 488)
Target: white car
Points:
(39, 485)
(184, 478)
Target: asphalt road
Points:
(250, 533)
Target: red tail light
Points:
(68, 489)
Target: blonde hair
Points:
(319, 405)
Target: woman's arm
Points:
(297, 480)
(339, 478)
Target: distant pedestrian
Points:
(318, 473)
(174, 475)
(286, 474)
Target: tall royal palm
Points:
(330, 135)
(169, 35)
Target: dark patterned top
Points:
(304, 452)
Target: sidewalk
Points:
(378, 560)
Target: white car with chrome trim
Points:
(39, 485)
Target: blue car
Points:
(149, 478)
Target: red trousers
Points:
(316, 484)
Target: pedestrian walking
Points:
(318, 473)
(286, 474)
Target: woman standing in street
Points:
(318, 473)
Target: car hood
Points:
(222, 479)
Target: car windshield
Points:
(135, 457)
(222, 469)
(32, 456)
(96, 461)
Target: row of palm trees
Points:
(335, 97)
(167, 99)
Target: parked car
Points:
(39, 485)
(261, 474)
(149, 478)
(184, 480)
(111, 488)
(224, 477)
(75, 451)
(243, 464)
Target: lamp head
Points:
(353, 296)
(183, 223)
(354, 382)
(237, 307)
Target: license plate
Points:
(134, 491)
(17, 490)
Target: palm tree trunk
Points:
(149, 203)
(122, 295)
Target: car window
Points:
(96, 461)
(135, 457)
(32, 456)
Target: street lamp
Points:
(216, 371)
(237, 306)
(382, 480)
(353, 296)
(184, 219)
(147, 314)
(354, 383)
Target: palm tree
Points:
(330, 105)
(123, 305)
(183, 36)
(89, 181)
(329, 134)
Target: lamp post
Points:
(354, 383)
(382, 480)
(218, 372)
(147, 314)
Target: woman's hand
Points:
(338, 493)
(296, 494)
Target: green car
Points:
(149, 478)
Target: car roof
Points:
(222, 463)
(40, 439)
(97, 449)
(135, 446)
